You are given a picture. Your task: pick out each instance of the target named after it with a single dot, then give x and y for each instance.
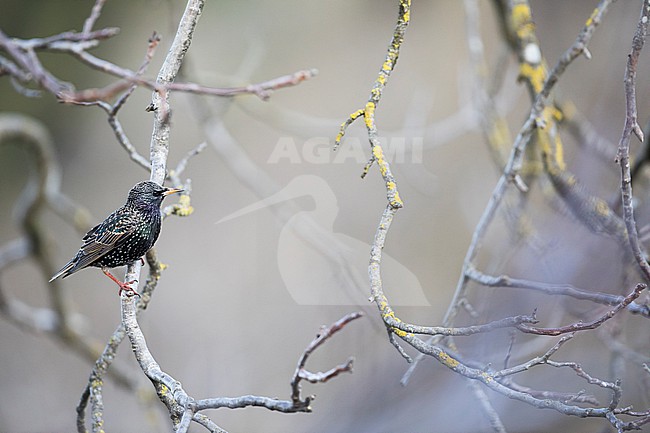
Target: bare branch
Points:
(554, 289)
(94, 16)
(325, 334)
(589, 325)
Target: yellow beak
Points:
(169, 191)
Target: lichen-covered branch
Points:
(368, 112)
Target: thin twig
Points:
(300, 373)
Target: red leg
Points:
(124, 286)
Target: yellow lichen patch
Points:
(543, 142)
(553, 154)
(369, 114)
(593, 15)
(487, 377)
(535, 75)
(601, 207)
(556, 113)
(532, 168)
(559, 153)
(391, 314)
(183, 208)
(391, 186)
(382, 165)
(378, 153)
(526, 31)
(351, 118)
(522, 21)
(406, 5)
(521, 14)
(448, 360)
(397, 201)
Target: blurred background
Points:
(244, 293)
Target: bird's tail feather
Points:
(65, 271)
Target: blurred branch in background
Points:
(43, 192)
(24, 67)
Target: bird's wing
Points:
(103, 238)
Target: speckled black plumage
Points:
(125, 235)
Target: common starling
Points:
(124, 236)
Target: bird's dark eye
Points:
(158, 192)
